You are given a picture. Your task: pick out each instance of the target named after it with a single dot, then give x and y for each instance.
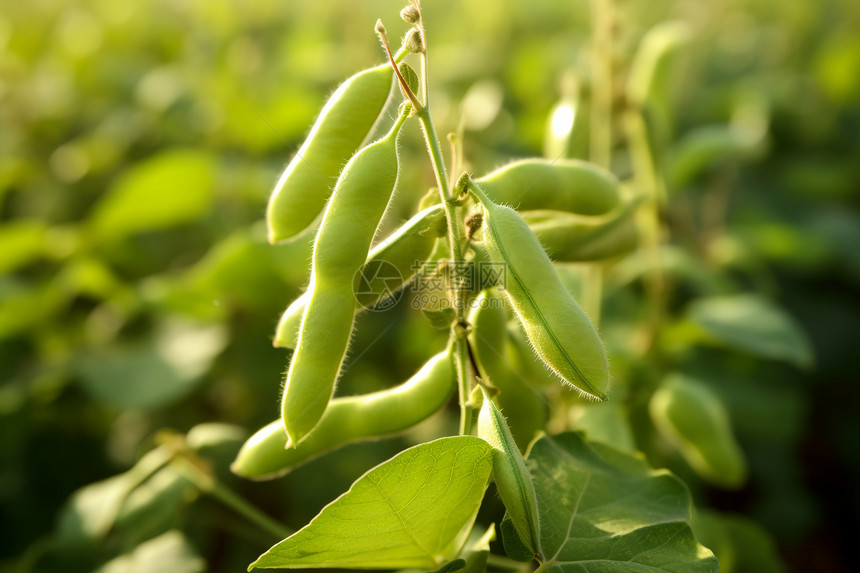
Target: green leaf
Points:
(92, 510)
(155, 372)
(451, 566)
(168, 189)
(21, 242)
(751, 323)
(155, 505)
(477, 550)
(605, 422)
(26, 306)
(169, 551)
(606, 511)
(413, 511)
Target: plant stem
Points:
(456, 245)
(600, 146)
(190, 467)
(230, 498)
(460, 327)
(502, 562)
(592, 291)
(601, 83)
(460, 351)
(651, 183)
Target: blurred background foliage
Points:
(139, 142)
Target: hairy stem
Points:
(456, 245)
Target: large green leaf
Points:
(413, 511)
(168, 189)
(753, 324)
(604, 511)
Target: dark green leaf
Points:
(751, 323)
(606, 511)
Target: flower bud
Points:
(410, 14)
(414, 42)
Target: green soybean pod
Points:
(565, 185)
(349, 223)
(522, 357)
(569, 237)
(648, 79)
(343, 124)
(707, 147)
(692, 417)
(351, 419)
(287, 331)
(395, 256)
(399, 255)
(512, 477)
(519, 398)
(554, 323)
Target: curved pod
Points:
(351, 419)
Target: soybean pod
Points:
(343, 124)
(705, 148)
(575, 238)
(519, 399)
(399, 255)
(512, 477)
(692, 417)
(568, 185)
(395, 256)
(649, 71)
(554, 323)
(349, 223)
(351, 419)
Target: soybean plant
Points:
(513, 341)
